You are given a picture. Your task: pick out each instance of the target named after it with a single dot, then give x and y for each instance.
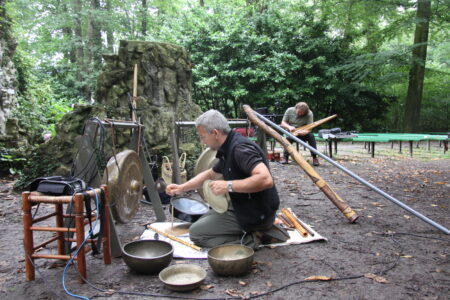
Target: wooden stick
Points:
(135, 78)
(285, 221)
(294, 221)
(348, 212)
(312, 125)
(174, 238)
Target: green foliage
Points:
(10, 163)
(39, 164)
(38, 107)
(349, 57)
(274, 59)
(38, 110)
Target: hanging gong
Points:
(123, 175)
(205, 161)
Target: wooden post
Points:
(411, 148)
(106, 231)
(60, 223)
(176, 172)
(27, 236)
(348, 212)
(79, 227)
(330, 147)
(133, 104)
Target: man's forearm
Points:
(197, 181)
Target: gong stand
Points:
(86, 164)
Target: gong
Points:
(124, 176)
(205, 161)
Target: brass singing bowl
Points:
(182, 277)
(231, 260)
(147, 256)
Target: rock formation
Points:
(164, 96)
(163, 90)
(8, 75)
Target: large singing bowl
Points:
(147, 256)
(231, 260)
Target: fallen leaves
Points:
(376, 278)
(236, 293)
(110, 292)
(205, 287)
(318, 277)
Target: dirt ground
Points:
(387, 254)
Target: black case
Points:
(58, 185)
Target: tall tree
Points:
(94, 36)
(144, 16)
(417, 69)
(109, 30)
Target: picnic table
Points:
(372, 138)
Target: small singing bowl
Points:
(147, 256)
(231, 260)
(182, 277)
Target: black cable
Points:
(421, 236)
(384, 271)
(35, 212)
(44, 278)
(87, 165)
(90, 169)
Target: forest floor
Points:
(387, 254)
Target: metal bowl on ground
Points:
(182, 277)
(231, 260)
(188, 209)
(147, 256)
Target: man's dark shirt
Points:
(238, 156)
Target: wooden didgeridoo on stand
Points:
(348, 212)
(312, 125)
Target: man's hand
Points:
(290, 128)
(218, 187)
(301, 132)
(173, 189)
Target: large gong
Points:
(123, 175)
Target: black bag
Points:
(58, 185)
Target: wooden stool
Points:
(31, 198)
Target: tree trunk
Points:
(81, 55)
(144, 18)
(78, 37)
(348, 26)
(109, 32)
(417, 68)
(67, 31)
(96, 38)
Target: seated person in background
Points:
(295, 117)
(246, 177)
